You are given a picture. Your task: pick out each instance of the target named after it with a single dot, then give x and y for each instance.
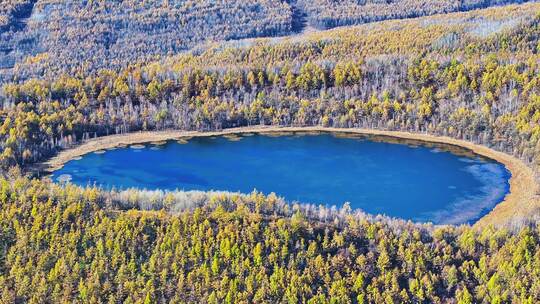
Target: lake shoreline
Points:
(520, 202)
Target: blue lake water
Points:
(421, 182)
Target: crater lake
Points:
(408, 179)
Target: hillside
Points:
(332, 13)
(109, 34)
(85, 36)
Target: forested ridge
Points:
(332, 13)
(92, 35)
(86, 36)
(472, 76)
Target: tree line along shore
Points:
(520, 202)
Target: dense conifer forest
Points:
(78, 70)
(85, 36)
(81, 245)
(332, 13)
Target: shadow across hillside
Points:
(18, 21)
(299, 17)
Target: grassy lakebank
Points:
(520, 202)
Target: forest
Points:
(469, 75)
(92, 35)
(82, 37)
(333, 13)
(69, 244)
(11, 10)
(478, 87)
